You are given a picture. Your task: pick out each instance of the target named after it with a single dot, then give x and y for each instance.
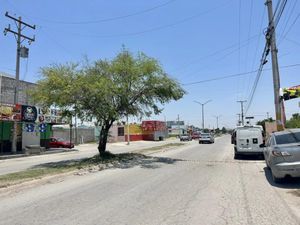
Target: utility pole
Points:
(217, 117)
(178, 126)
(20, 38)
(239, 121)
(271, 40)
(128, 130)
(202, 104)
(242, 110)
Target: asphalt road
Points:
(197, 184)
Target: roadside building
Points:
(150, 130)
(34, 125)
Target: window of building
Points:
(120, 131)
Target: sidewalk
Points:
(19, 162)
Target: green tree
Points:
(109, 90)
(294, 122)
(224, 130)
(263, 122)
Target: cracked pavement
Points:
(202, 185)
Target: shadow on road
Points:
(287, 183)
(122, 161)
(250, 157)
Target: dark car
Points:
(56, 142)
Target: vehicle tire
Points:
(236, 156)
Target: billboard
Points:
(291, 93)
(10, 112)
(29, 113)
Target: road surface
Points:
(197, 184)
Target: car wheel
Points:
(236, 156)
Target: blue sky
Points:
(194, 41)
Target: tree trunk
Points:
(103, 137)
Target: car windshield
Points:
(288, 138)
(60, 139)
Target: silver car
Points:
(282, 154)
(206, 138)
(185, 137)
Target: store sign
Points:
(50, 115)
(10, 112)
(29, 113)
(291, 93)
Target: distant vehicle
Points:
(247, 140)
(206, 138)
(195, 136)
(282, 154)
(185, 137)
(56, 142)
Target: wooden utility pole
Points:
(19, 38)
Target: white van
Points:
(247, 140)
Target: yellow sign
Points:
(291, 93)
(6, 112)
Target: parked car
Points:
(247, 140)
(57, 142)
(185, 137)
(206, 138)
(282, 154)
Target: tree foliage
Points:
(294, 122)
(263, 122)
(108, 90)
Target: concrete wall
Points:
(30, 138)
(113, 134)
(84, 135)
(7, 84)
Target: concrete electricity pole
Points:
(242, 110)
(276, 80)
(202, 104)
(217, 117)
(20, 38)
(128, 131)
(239, 120)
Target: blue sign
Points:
(42, 127)
(29, 127)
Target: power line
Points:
(263, 61)
(291, 26)
(282, 7)
(289, 17)
(154, 28)
(269, 33)
(257, 45)
(245, 43)
(236, 75)
(106, 19)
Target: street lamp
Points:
(202, 104)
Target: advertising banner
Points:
(10, 112)
(29, 113)
(291, 93)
